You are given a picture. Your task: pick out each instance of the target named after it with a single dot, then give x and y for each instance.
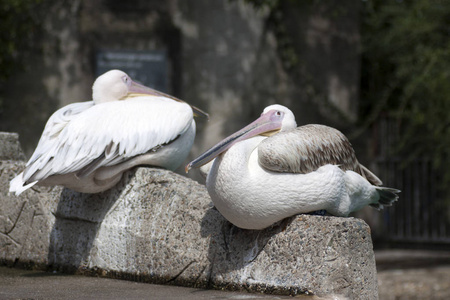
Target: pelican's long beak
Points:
(137, 88)
(263, 125)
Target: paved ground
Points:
(416, 283)
(401, 275)
(412, 274)
(22, 284)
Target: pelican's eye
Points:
(126, 80)
(279, 114)
(276, 115)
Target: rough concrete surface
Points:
(159, 227)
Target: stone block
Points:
(25, 221)
(160, 227)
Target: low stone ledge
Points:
(160, 227)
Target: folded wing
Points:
(83, 137)
(306, 148)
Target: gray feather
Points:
(387, 197)
(306, 148)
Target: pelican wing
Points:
(55, 125)
(306, 148)
(107, 134)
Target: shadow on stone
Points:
(78, 218)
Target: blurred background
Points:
(379, 71)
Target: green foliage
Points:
(18, 31)
(406, 74)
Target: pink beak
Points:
(142, 89)
(265, 123)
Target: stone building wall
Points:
(222, 57)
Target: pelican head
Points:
(277, 113)
(275, 118)
(116, 85)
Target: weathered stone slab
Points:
(25, 221)
(157, 226)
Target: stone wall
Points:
(223, 57)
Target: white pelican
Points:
(260, 180)
(86, 146)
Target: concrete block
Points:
(160, 227)
(25, 221)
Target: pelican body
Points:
(86, 146)
(272, 169)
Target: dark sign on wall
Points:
(146, 67)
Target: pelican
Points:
(86, 146)
(272, 169)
